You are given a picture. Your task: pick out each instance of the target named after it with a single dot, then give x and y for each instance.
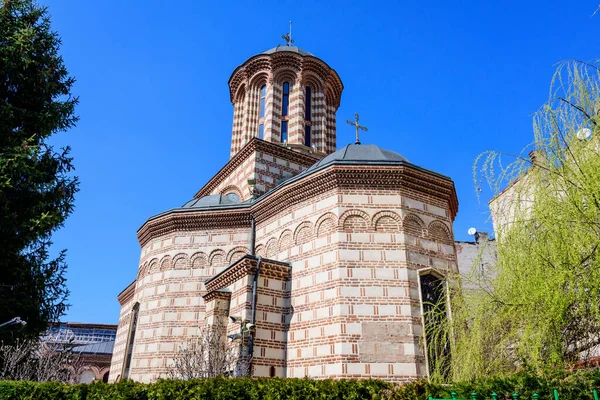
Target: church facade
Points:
(325, 252)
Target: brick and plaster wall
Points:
(169, 289)
(264, 162)
(356, 256)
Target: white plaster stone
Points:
(372, 255)
(395, 255)
(349, 255)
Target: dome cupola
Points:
(285, 95)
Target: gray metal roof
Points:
(212, 200)
(352, 154)
(288, 48)
(359, 154)
(96, 348)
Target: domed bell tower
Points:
(287, 96)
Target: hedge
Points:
(578, 385)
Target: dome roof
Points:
(359, 154)
(293, 49)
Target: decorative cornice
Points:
(193, 220)
(247, 266)
(253, 146)
(127, 293)
(300, 189)
(217, 294)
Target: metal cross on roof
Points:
(357, 126)
(288, 36)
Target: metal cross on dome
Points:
(288, 36)
(357, 126)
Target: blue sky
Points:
(438, 82)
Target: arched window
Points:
(307, 116)
(261, 121)
(307, 103)
(272, 372)
(433, 300)
(284, 131)
(233, 197)
(285, 104)
(263, 99)
(131, 340)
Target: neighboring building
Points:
(93, 343)
(335, 243)
(476, 260)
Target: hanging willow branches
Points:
(539, 306)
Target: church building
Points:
(327, 251)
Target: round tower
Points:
(285, 95)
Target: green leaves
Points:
(540, 306)
(36, 186)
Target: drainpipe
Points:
(253, 316)
(252, 235)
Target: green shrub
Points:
(571, 386)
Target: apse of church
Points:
(322, 251)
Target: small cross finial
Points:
(357, 126)
(288, 36)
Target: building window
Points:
(286, 99)
(261, 131)
(284, 131)
(130, 341)
(307, 104)
(263, 99)
(307, 135)
(272, 372)
(233, 197)
(433, 298)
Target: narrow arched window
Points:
(284, 131)
(285, 103)
(130, 340)
(263, 100)
(307, 116)
(307, 103)
(261, 116)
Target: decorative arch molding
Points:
(260, 250)
(199, 260)
(311, 79)
(232, 189)
(439, 232)
(286, 240)
(236, 253)
(258, 80)
(180, 261)
(386, 221)
(304, 232)
(271, 248)
(350, 218)
(240, 93)
(325, 224)
(217, 258)
(153, 266)
(165, 263)
(285, 74)
(413, 225)
(143, 270)
(103, 372)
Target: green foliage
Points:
(578, 385)
(538, 307)
(36, 185)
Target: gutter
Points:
(253, 316)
